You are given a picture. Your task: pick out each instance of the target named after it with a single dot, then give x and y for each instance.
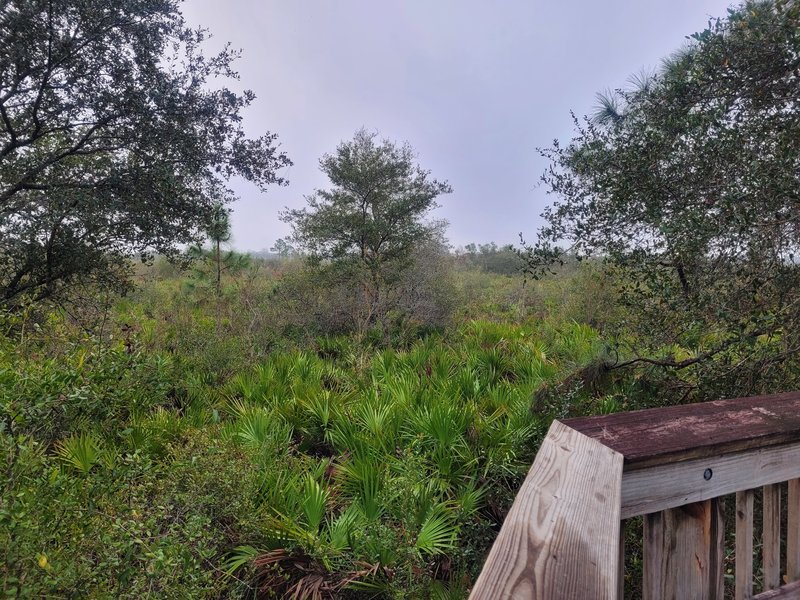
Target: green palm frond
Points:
(166, 423)
(469, 499)
(81, 451)
(363, 479)
(282, 530)
(438, 532)
(346, 436)
(319, 406)
(452, 590)
(402, 388)
(259, 428)
(279, 490)
(379, 418)
(443, 423)
(315, 500)
(342, 530)
(241, 556)
(254, 428)
(242, 386)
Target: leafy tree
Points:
(372, 218)
(491, 258)
(283, 248)
(686, 184)
(113, 140)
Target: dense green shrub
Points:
(138, 467)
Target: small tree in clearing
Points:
(369, 222)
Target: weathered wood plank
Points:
(683, 553)
(621, 562)
(787, 592)
(793, 531)
(744, 545)
(662, 435)
(560, 540)
(672, 485)
(771, 536)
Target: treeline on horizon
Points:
(505, 259)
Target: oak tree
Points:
(368, 223)
(117, 136)
(687, 185)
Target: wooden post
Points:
(744, 545)
(621, 562)
(560, 540)
(771, 537)
(793, 531)
(683, 552)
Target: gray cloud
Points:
(474, 86)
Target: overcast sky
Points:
(474, 86)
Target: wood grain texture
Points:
(771, 536)
(744, 545)
(621, 562)
(674, 433)
(787, 592)
(793, 531)
(683, 553)
(672, 485)
(560, 540)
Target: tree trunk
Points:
(218, 285)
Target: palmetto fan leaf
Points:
(81, 451)
(258, 427)
(443, 424)
(438, 532)
(342, 529)
(315, 499)
(470, 498)
(454, 590)
(240, 556)
(319, 406)
(380, 420)
(254, 428)
(363, 478)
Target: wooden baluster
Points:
(621, 559)
(793, 531)
(771, 538)
(684, 551)
(744, 545)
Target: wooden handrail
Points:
(561, 538)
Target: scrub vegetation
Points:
(179, 448)
(350, 417)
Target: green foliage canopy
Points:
(375, 209)
(113, 139)
(369, 224)
(492, 258)
(687, 185)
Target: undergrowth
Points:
(337, 469)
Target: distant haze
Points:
(474, 86)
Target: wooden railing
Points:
(562, 538)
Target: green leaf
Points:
(241, 556)
(438, 532)
(314, 503)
